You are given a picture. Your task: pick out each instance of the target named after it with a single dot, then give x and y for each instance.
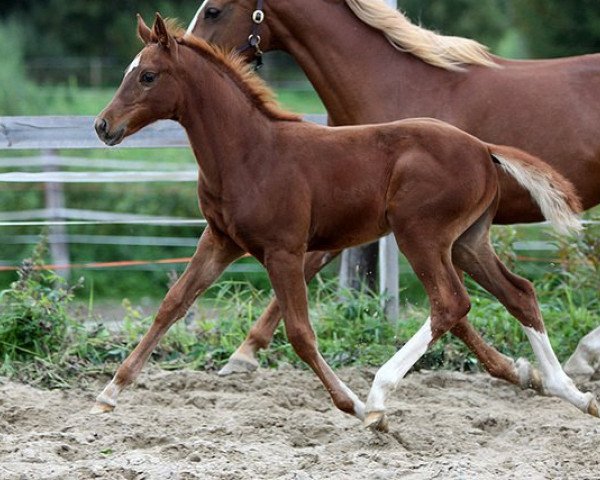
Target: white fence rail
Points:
(77, 132)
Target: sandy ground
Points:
(281, 425)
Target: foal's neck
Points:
(345, 59)
(227, 132)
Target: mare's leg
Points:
(474, 254)
(431, 261)
(585, 361)
(212, 256)
(286, 274)
(243, 360)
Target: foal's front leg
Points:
(213, 254)
(287, 278)
(243, 360)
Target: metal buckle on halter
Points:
(258, 16)
(254, 41)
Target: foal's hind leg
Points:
(243, 360)
(212, 256)
(449, 303)
(497, 365)
(474, 254)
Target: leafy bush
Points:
(34, 320)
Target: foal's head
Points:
(149, 91)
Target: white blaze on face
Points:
(134, 64)
(196, 17)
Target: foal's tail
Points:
(555, 195)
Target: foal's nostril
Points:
(101, 126)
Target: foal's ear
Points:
(143, 30)
(161, 32)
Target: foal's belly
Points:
(335, 227)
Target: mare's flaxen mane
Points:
(236, 68)
(446, 52)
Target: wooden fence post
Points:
(355, 268)
(55, 203)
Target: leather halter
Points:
(258, 17)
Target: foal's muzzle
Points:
(103, 131)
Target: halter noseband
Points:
(258, 17)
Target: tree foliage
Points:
(84, 28)
(549, 28)
(80, 28)
(483, 20)
(558, 28)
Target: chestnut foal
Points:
(276, 187)
(370, 64)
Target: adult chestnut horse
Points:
(277, 187)
(370, 64)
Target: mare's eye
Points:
(211, 13)
(148, 77)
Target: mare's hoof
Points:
(529, 377)
(101, 407)
(238, 365)
(377, 421)
(592, 408)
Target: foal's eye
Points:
(211, 13)
(148, 77)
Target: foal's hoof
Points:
(101, 407)
(592, 408)
(238, 365)
(529, 377)
(377, 421)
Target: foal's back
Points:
(348, 176)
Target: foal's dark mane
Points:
(236, 68)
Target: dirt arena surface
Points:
(281, 425)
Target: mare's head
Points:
(149, 91)
(240, 25)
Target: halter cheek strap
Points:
(258, 17)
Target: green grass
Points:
(42, 342)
